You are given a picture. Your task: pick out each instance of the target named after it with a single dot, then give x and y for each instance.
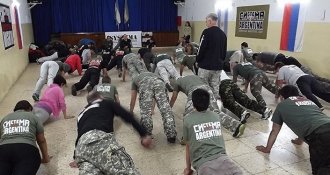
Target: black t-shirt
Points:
(212, 49)
(99, 115)
(124, 43)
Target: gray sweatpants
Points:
(166, 69)
(48, 71)
(41, 114)
(221, 166)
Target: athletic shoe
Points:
(267, 113)
(73, 90)
(120, 73)
(322, 108)
(182, 142)
(171, 139)
(245, 115)
(169, 87)
(89, 88)
(35, 97)
(239, 130)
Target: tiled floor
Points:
(164, 158)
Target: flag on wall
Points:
(294, 17)
(126, 14)
(117, 14)
(223, 20)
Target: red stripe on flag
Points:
(285, 27)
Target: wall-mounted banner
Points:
(6, 26)
(135, 37)
(252, 21)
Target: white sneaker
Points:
(267, 113)
(245, 115)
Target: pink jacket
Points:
(54, 98)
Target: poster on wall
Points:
(6, 26)
(134, 36)
(252, 21)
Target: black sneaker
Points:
(89, 88)
(35, 97)
(182, 142)
(245, 115)
(322, 108)
(73, 90)
(267, 113)
(171, 140)
(239, 130)
(169, 87)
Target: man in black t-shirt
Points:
(95, 125)
(126, 44)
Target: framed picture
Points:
(6, 26)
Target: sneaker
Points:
(239, 130)
(89, 88)
(35, 97)
(245, 115)
(171, 139)
(182, 142)
(73, 90)
(169, 87)
(120, 73)
(322, 108)
(267, 113)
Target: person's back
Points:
(301, 115)
(246, 70)
(54, 98)
(267, 57)
(290, 73)
(75, 63)
(187, 83)
(212, 54)
(205, 147)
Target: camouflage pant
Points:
(166, 69)
(135, 67)
(226, 121)
(154, 88)
(211, 78)
(232, 97)
(257, 82)
(98, 153)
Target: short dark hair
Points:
(59, 80)
(278, 65)
(255, 56)
(288, 91)
(212, 16)
(244, 44)
(23, 105)
(201, 99)
(106, 79)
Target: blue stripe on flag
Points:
(293, 26)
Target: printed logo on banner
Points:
(6, 26)
(252, 21)
(134, 36)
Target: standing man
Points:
(211, 53)
(306, 120)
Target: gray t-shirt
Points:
(107, 91)
(202, 132)
(267, 57)
(189, 61)
(290, 74)
(301, 115)
(247, 53)
(187, 83)
(179, 53)
(20, 127)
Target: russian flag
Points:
(223, 20)
(293, 27)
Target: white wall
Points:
(196, 10)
